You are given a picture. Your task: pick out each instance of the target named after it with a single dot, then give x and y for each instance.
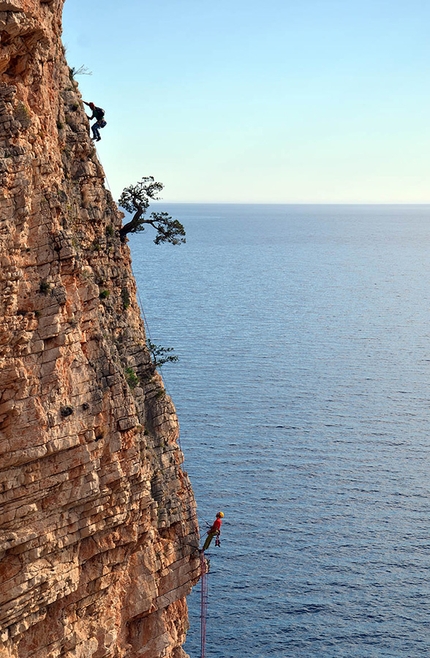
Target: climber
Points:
(98, 114)
(214, 531)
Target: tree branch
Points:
(135, 199)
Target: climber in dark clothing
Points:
(98, 114)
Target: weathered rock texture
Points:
(98, 521)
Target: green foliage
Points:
(160, 355)
(138, 196)
(161, 394)
(104, 294)
(131, 377)
(125, 296)
(135, 199)
(44, 287)
(168, 229)
(22, 113)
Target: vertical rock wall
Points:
(98, 524)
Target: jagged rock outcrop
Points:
(97, 518)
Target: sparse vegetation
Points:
(160, 355)
(135, 199)
(22, 113)
(125, 296)
(81, 70)
(161, 393)
(44, 287)
(131, 377)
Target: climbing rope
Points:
(203, 562)
(203, 604)
(145, 320)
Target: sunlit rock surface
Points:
(98, 523)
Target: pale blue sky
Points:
(312, 101)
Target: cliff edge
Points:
(98, 524)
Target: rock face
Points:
(98, 523)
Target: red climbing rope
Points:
(203, 603)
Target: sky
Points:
(244, 101)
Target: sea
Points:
(303, 395)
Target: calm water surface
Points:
(303, 394)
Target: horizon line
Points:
(301, 203)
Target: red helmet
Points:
(91, 105)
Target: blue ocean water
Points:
(303, 394)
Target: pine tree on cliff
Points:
(135, 199)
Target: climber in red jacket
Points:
(214, 531)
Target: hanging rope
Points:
(142, 309)
(203, 562)
(203, 604)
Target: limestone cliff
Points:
(97, 520)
